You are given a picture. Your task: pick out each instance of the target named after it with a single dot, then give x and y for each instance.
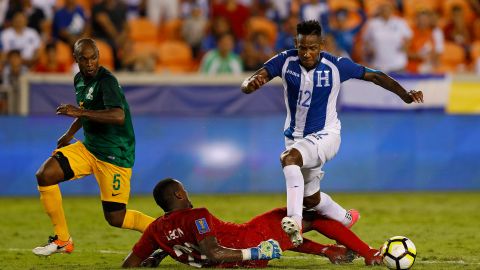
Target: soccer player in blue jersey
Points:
(311, 80)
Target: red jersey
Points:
(179, 232)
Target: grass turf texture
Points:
(443, 226)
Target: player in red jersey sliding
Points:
(194, 236)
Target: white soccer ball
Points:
(399, 253)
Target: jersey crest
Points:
(202, 226)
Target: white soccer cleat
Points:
(54, 245)
(291, 227)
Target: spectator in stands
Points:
(47, 6)
(161, 11)
(69, 22)
(222, 60)
(109, 23)
(425, 49)
(136, 61)
(279, 10)
(338, 27)
(386, 40)
(332, 47)
(12, 71)
(36, 19)
(286, 35)
(218, 26)
(313, 10)
(51, 63)
(22, 38)
(194, 29)
(3, 11)
(187, 7)
(457, 29)
(256, 51)
(136, 8)
(236, 14)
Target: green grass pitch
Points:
(443, 226)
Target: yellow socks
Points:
(137, 221)
(51, 199)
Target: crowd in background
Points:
(233, 36)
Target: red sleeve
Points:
(146, 245)
(202, 224)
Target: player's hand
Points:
(155, 259)
(254, 82)
(414, 96)
(267, 250)
(64, 140)
(69, 110)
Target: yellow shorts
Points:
(114, 181)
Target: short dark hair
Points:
(311, 27)
(164, 191)
(14, 52)
(84, 41)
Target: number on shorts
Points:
(116, 181)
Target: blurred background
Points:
(181, 63)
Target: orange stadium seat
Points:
(346, 4)
(170, 30)
(142, 29)
(106, 54)
(145, 47)
(475, 50)
(261, 24)
(174, 56)
(452, 58)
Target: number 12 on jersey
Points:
(304, 98)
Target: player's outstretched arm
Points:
(254, 82)
(266, 250)
(132, 260)
(115, 116)
(68, 136)
(387, 82)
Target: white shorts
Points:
(316, 149)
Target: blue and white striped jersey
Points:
(311, 96)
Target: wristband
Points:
(250, 254)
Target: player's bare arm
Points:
(68, 136)
(115, 116)
(254, 82)
(131, 260)
(217, 253)
(381, 79)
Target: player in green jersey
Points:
(108, 151)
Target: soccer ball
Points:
(399, 253)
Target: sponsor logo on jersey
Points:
(202, 225)
(293, 73)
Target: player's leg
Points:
(327, 145)
(336, 231)
(66, 163)
(322, 202)
(114, 182)
(336, 254)
(292, 161)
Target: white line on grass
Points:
(107, 251)
(460, 262)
